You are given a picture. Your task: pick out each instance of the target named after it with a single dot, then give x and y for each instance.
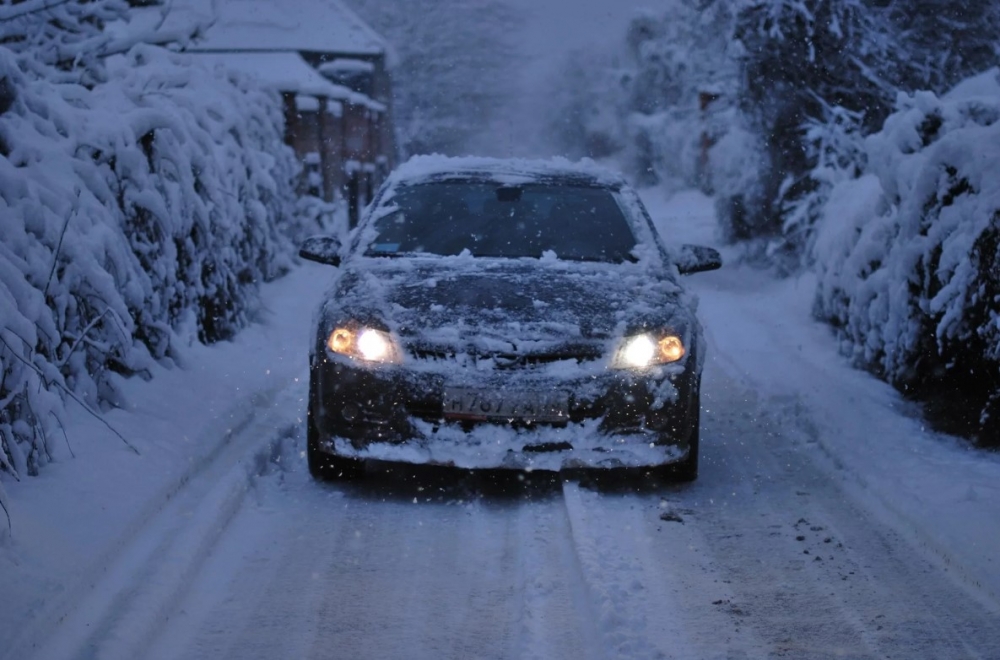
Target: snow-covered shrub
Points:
(134, 213)
(908, 255)
(656, 102)
(736, 162)
(738, 165)
(663, 148)
(67, 36)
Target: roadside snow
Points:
(70, 523)
(761, 332)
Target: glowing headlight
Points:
(646, 350)
(364, 344)
(374, 345)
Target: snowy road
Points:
(804, 537)
(764, 556)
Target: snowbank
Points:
(137, 212)
(908, 255)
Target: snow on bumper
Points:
(615, 419)
(484, 446)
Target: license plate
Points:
(476, 404)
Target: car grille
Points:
(504, 360)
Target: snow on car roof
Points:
(509, 171)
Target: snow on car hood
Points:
(529, 301)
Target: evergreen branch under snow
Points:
(29, 7)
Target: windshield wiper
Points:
(391, 255)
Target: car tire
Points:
(324, 466)
(687, 470)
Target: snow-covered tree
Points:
(645, 100)
(452, 76)
(940, 42)
(809, 64)
(802, 58)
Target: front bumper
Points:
(616, 418)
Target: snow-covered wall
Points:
(908, 255)
(137, 211)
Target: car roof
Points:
(505, 171)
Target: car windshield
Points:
(575, 223)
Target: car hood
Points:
(453, 299)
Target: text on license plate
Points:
(470, 403)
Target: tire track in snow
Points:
(614, 582)
(372, 569)
(652, 593)
(827, 405)
(820, 575)
(261, 594)
(132, 592)
(556, 617)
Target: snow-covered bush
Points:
(908, 255)
(655, 103)
(136, 212)
(66, 37)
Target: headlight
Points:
(366, 344)
(646, 350)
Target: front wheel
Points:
(323, 466)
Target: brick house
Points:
(331, 71)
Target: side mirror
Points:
(697, 258)
(321, 249)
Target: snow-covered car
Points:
(492, 313)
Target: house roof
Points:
(285, 72)
(323, 26)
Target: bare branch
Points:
(65, 435)
(62, 235)
(82, 336)
(71, 394)
(3, 505)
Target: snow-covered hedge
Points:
(135, 212)
(908, 255)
